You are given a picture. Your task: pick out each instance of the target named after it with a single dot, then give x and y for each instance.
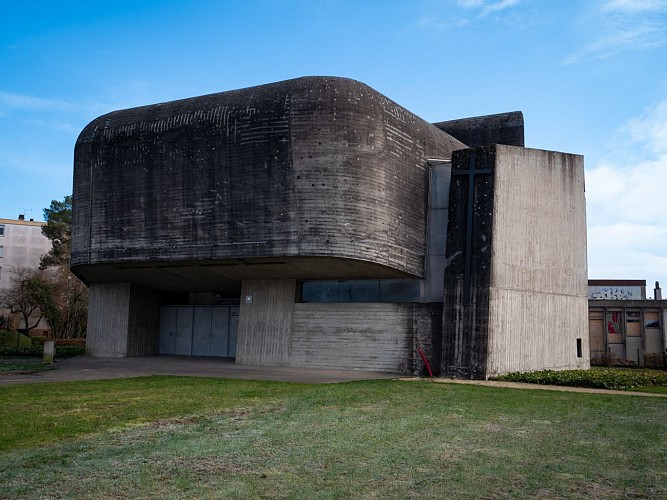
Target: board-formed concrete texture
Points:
(328, 214)
(515, 297)
(324, 168)
(503, 128)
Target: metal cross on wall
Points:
(471, 172)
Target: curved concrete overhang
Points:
(324, 176)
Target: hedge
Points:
(67, 351)
(599, 378)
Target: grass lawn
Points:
(212, 438)
(22, 364)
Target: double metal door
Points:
(198, 330)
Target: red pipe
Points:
(428, 367)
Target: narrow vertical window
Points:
(579, 351)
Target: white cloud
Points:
(651, 128)
(627, 206)
(629, 193)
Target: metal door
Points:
(183, 332)
(201, 332)
(167, 340)
(198, 330)
(219, 332)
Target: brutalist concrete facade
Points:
(516, 246)
(273, 196)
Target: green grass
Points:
(171, 437)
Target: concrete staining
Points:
(314, 168)
(243, 197)
(517, 255)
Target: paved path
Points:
(90, 368)
(539, 387)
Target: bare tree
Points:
(65, 304)
(25, 296)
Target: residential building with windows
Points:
(22, 244)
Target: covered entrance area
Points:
(198, 330)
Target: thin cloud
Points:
(651, 128)
(624, 26)
(479, 9)
(642, 36)
(11, 104)
(487, 7)
(635, 6)
(62, 127)
(31, 103)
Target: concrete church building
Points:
(316, 223)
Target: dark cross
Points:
(471, 172)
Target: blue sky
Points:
(589, 75)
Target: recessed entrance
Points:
(198, 330)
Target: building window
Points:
(2, 251)
(369, 291)
(633, 326)
(2, 229)
(614, 322)
(652, 319)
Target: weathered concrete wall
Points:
(108, 306)
(363, 336)
(122, 320)
(515, 285)
(291, 173)
(503, 128)
(143, 321)
(538, 306)
(427, 334)
(265, 322)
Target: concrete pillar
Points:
(122, 320)
(265, 322)
(49, 351)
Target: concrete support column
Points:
(265, 322)
(122, 320)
